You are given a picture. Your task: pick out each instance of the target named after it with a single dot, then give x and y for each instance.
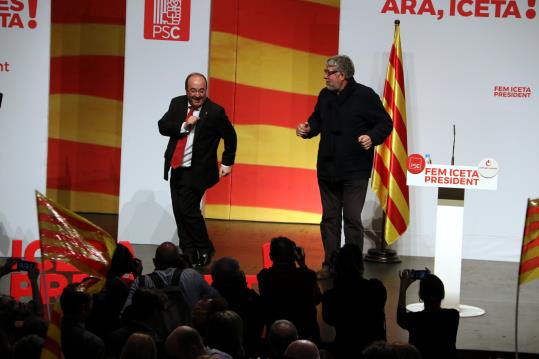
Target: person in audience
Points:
(186, 343)
(204, 309)
(302, 349)
(281, 333)
(225, 333)
(139, 346)
(406, 351)
(355, 305)
(230, 281)
(108, 304)
(379, 350)
(167, 260)
(289, 291)
(28, 347)
(433, 331)
(145, 316)
(77, 341)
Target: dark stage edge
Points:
(490, 285)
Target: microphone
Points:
(453, 153)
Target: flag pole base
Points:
(382, 255)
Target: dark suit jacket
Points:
(340, 120)
(211, 127)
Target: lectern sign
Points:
(423, 174)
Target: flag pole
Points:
(518, 277)
(43, 275)
(383, 254)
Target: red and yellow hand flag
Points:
(529, 258)
(389, 174)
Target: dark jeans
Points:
(341, 200)
(189, 220)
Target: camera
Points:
(417, 274)
(25, 266)
(299, 252)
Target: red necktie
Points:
(177, 157)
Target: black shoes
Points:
(203, 259)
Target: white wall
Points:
(451, 67)
(24, 82)
(155, 71)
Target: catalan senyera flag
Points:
(529, 258)
(389, 170)
(70, 238)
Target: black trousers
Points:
(186, 199)
(341, 200)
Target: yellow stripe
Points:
(532, 218)
(531, 236)
(530, 254)
(265, 66)
(529, 276)
(260, 214)
(397, 197)
(87, 39)
(390, 233)
(86, 119)
(96, 236)
(85, 201)
(274, 146)
(333, 3)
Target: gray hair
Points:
(343, 64)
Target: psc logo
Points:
(167, 20)
(416, 163)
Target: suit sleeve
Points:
(379, 118)
(314, 121)
(169, 124)
(228, 134)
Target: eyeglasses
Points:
(195, 91)
(329, 73)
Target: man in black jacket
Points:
(351, 120)
(195, 126)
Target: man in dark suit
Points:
(195, 126)
(351, 120)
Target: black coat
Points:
(340, 119)
(211, 127)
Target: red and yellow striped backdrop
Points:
(266, 69)
(85, 104)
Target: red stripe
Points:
(255, 105)
(83, 167)
(84, 264)
(400, 127)
(533, 210)
(299, 25)
(88, 12)
(100, 76)
(397, 65)
(67, 217)
(381, 169)
(399, 176)
(82, 244)
(269, 187)
(395, 216)
(529, 265)
(532, 244)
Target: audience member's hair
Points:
(349, 264)
(406, 351)
(431, 288)
(167, 255)
(73, 301)
(122, 260)
(204, 309)
(35, 325)
(380, 350)
(225, 333)
(140, 346)
(226, 272)
(282, 250)
(302, 349)
(185, 343)
(281, 333)
(28, 347)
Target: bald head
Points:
(302, 349)
(185, 343)
(166, 256)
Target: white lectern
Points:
(452, 181)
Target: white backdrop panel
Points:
(451, 68)
(24, 83)
(155, 71)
